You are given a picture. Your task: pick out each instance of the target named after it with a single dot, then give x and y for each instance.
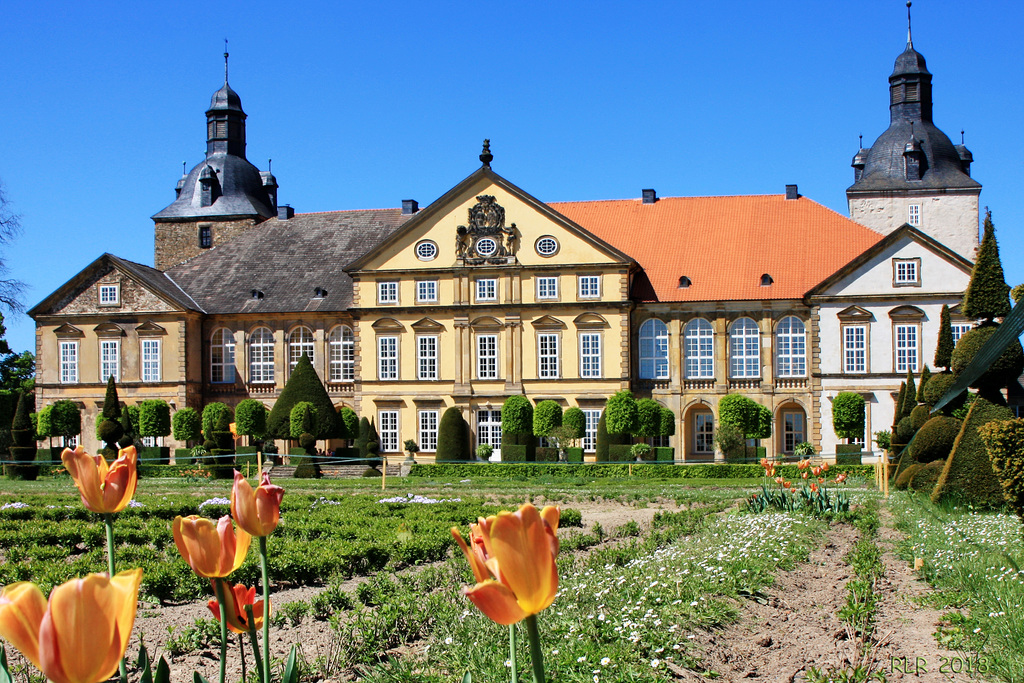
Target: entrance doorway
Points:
(488, 431)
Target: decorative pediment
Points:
(590, 321)
(388, 325)
(855, 314)
(108, 330)
(67, 331)
(487, 322)
(149, 329)
(486, 239)
(427, 325)
(548, 323)
(907, 313)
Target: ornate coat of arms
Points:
(486, 239)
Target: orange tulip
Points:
(79, 636)
(104, 488)
(212, 549)
(803, 464)
(259, 511)
(235, 599)
(787, 484)
(513, 560)
(841, 478)
(814, 487)
(804, 475)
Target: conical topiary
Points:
(969, 477)
(109, 429)
(897, 413)
(910, 398)
(944, 347)
(23, 452)
(987, 296)
(453, 437)
(925, 376)
(303, 385)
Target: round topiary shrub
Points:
(905, 430)
(109, 431)
(903, 480)
(919, 415)
(937, 387)
(371, 472)
(1009, 364)
(935, 439)
(924, 478)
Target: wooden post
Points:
(384, 475)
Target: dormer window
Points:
(684, 282)
(205, 236)
(766, 280)
(319, 293)
(257, 294)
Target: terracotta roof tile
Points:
(725, 244)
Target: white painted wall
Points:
(951, 219)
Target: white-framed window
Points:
(222, 357)
(428, 430)
(110, 359)
(547, 287)
(426, 291)
(487, 356)
(590, 354)
(151, 441)
(699, 346)
(426, 250)
(547, 246)
(703, 433)
(300, 341)
(487, 289)
(387, 292)
(906, 272)
(905, 338)
(342, 354)
(110, 295)
(547, 355)
(792, 430)
(388, 421)
(387, 357)
(855, 348)
(69, 362)
(914, 215)
(791, 342)
(426, 357)
(593, 417)
(588, 286)
(745, 349)
(261, 356)
(488, 429)
(653, 349)
(959, 330)
(150, 360)
(69, 441)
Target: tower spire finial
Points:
(485, 156)
(910, 42)
(226, 60)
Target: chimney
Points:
(649, 196)
(791, 192)
(285, 212)
(409, 207)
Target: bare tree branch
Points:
(11, 290)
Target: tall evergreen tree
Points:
(303, 385)
(987, 296)
(926, 374)
(944, 348)
(109, 429)
(897, 413)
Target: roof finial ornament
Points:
(860, 141)
(270, 165)
(183, 166)
(225, 61)
(485, 156)
(961, 136)
(910, 43)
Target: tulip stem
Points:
(536, 656)
(266, 609)
(255, 640)
(218, 589)
(108, 521)
(512, 652)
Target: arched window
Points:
(653, 350)
(791, 342)
(341, 348)
(300, 341)
(222, 356)
(700, 349)
(744, 349)
(261, 356)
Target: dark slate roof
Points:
(156, 281)
(910, 61)
(226, 98)
(286, 260)
(884, 168)
(242, 191)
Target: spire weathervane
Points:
(910, 42)
(226, 60)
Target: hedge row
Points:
(601, 470)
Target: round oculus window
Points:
(547, 246)
(486, 247)
(426, 251)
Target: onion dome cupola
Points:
(224, 185)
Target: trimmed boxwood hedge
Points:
(903, 479)
(574, 454)
(663, 454)
(848, 454)
(512, 470)
(620, 453)
(934, 441)
(511, 453)
(968, 476)
(923, 480)
(547, 455)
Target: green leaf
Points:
(199, 678)
(5, 672)
(147, 673)
(468, 678)
(163, 671)
(291, 670)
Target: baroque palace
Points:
(489, 292)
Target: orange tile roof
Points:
(725, 244)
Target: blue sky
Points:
(361, 105)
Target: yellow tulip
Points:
(104, 488)
(212, 549)
(259, 511)
(513, 560)
(235, 599)
(79, 636)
